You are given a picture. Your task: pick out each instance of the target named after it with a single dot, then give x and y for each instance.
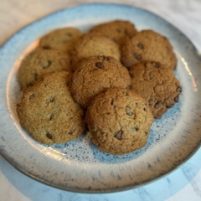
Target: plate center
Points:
(82, 149)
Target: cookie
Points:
(157, 84)
(116, 30)
(148, 45)
(61, 39)
(95, 74)
(48, 112)
(40, 62)
(119, 121)
(92, 45)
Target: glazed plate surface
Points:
(79, 165)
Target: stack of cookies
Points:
(113, 80)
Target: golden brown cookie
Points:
(95, 74)
(48, 112)
(40, 62)
(157, 84)
(116, 30)
(119, 121)
(92, 45)
(148, 45)
(61, 39)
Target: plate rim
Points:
(115, 189)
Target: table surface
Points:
(184, 184)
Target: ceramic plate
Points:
(79, 165)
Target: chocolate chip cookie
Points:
(48, 112)
(116, 30)
(119, 121)
(61, 39)
(157, 84)
(40, 62)
(92, 45)
(148, 45)
(95, 74)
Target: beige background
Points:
(14, 14)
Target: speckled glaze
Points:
(79, 165)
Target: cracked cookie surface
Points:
(39, 62)
(119, 121)
(61, 39)
(48, 112)
(157, 84)
(116, 30)
(148, 45)
(94, 75)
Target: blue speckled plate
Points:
(78, 165)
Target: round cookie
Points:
(92, 45)
(148, 45)
(95, 74)
(61, 39)
(116, 30)
(48, 112)
(40, 62)
(157, 84)
(119, 121)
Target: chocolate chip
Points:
(30, 84)
(170, 104)
(49, 135)
(179, 89)
(157, 105)
(119, 135)
(134, 129)
(137, 128)
(132, 75)
(156, 64)
(50, 100)
(106, 58)
(140, 45)
(144, 109)
(129, 111)
(146, 132)
(46, 63)
(176, 99)
(51, 117)
(126, 32)
(112, 102)
(99, 65)
(137, 56)
(70, 132)
(35, 76)
(46, 47)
